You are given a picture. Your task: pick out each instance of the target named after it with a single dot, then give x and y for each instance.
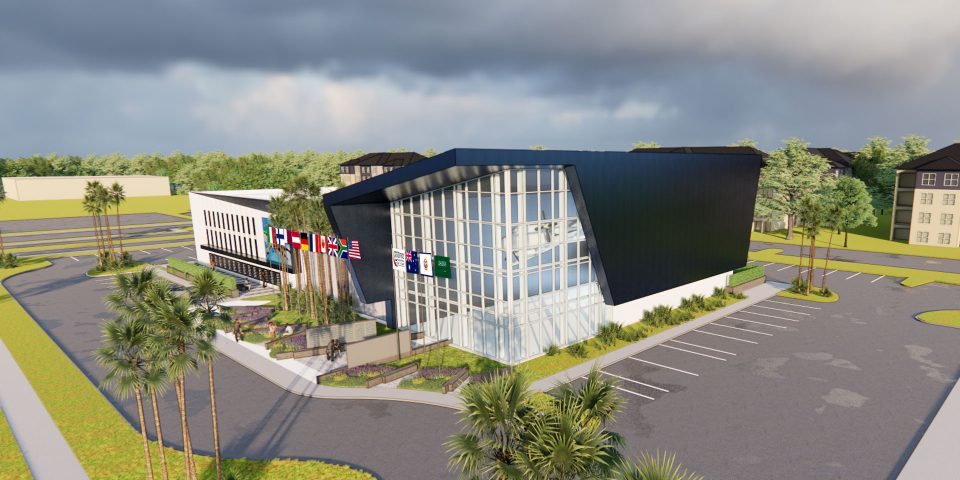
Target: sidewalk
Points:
(754, 295)
(44, 449)
(936, 455)
(161, 272)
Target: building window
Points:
(951, 179)
(923, 237)
(924, 217)
(387, 169)
(928, 179)
(949, 199)
(946, 219)
(346, 169)
(926, 199)
(944, 239)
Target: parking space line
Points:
(742, 329)
(770, 316)
(759, 323)
(165, 250)
(635, 393)
(75, 259)
(634, 381)
(664, 366)
(768, 264)
(805, 271)
(781, 310)
(794, 304)
(192, 257)
(784, 268)
(185, 247)
(695, 353)
(705, 348)
(851, 276)
(144, 251)
(751, 261)
(878, 278)
(724, 336)
(828, 274)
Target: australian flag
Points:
(413, 262)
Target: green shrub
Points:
(609, 333)
(745, 274)
(578, 350)
(823, 292)
(738, 295)
(687, 303)
(720, 292)
(698, 301)
(661, 466)
(192, 270)
(798, 285)
(659, 316)
(9, 260)
(634, 333)
(712, 304)
(551, 350)
(680, 315)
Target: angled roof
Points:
(947, 158)
(737, 150)
(837, 158)
(385, 159)
(255, 199)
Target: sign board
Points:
(426, 264)
(441, 266)
(399, 260)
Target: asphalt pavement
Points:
(30, 240)
(893, 260)
(257, 418)
(13, 226)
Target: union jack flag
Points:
(354, 252)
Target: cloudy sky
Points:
(101, 76)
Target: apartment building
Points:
(373, 164)
(925, 210)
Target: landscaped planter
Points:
(392, 375)
(748, 285)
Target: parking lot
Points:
(792, 389)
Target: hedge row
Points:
(192, 270)
(745, 274)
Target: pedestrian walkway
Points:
(44, 449)
(936, 454)
(161, 272)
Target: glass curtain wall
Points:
(521, 273)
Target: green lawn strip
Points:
(127, 238)
(94, 252)
(912, 277)
(174, 205)
(90, 229)
(422, 383)
(452, 357)
(106, 445)
(347, 381)
(136, 267)
(746, 274)
(191, 270)
(12, 465)
(946, 318)
(810, 298)
(127, 245)
(273, 299)
(547, 365)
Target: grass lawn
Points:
(810, 298)
(106, 445)
(175, 205)
(947, 318)
(136, 267)
(423, 383)
(452, 357)
(272, 299)
(383, 329)
(348, 381)
(912, 277)
(12, 465)
(127, 244)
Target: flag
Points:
(295, 239)
(306, 241)
(343, 249)
(426, 264)
(332, 246)
(320, 243)
(281, 236)
(413, 262)
(354, 252)
(272, 235)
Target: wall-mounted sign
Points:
(399, 260)
(421, 263)
(426, 264)
(441, 266)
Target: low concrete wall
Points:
(346, 332)
(392, 375)
(379, 349)
(746, 286)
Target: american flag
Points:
(354, 252)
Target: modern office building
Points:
(925, 209)
(505, 252)
(70, 187)
(373, 164)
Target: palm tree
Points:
(3, 196)
(118, 196)
(277, 218)
(102, 197)
(661, 466)
(91, 208)
(206, 291)
(319, 222)
(567, 444)
(121, 355)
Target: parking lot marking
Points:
(759, 323)
(724, 336)
(770, 316)
(752, 261)
(742, 329)
(781, 310)
(75, 259)
(878, 278)
(768, 264)
(794, 304)
(835, 271)
(185, 247)
(634, 381)
(192, 257)
(784, 268)
(851, 276)
(804, 271)
(705, 348)
(664, 366)
(144, 251)
(635, 393)
(164, 249)
(695, 353)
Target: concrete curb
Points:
(935, 456)
(293, 383)
(754, 295)
(44, 449)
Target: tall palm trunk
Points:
(826, 261)
(311, 299)
(2, 251)
(119, 230)
(295, 256)
(143, 434)
(156, 424)
(213, 411)
(800, 264)
(106, 218)
(97, 236)
(813, 256)
(184, 429)
(322, 281)
(282, 267)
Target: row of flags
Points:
(315, 242)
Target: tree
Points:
(661, 466)
(876, 163)
(853, 200)
(278, 218)
(833, 215)
(118, 196)
(812, 220)
(91, 207)
(791, 173)
(319, 222)
(538, 147)
(3, 197)
(645, 144)
(747, 142)
(121, 355)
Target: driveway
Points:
(893, 260)
(11, 226)
(257, 419)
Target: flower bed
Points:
(355, 377)
(431, 380)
